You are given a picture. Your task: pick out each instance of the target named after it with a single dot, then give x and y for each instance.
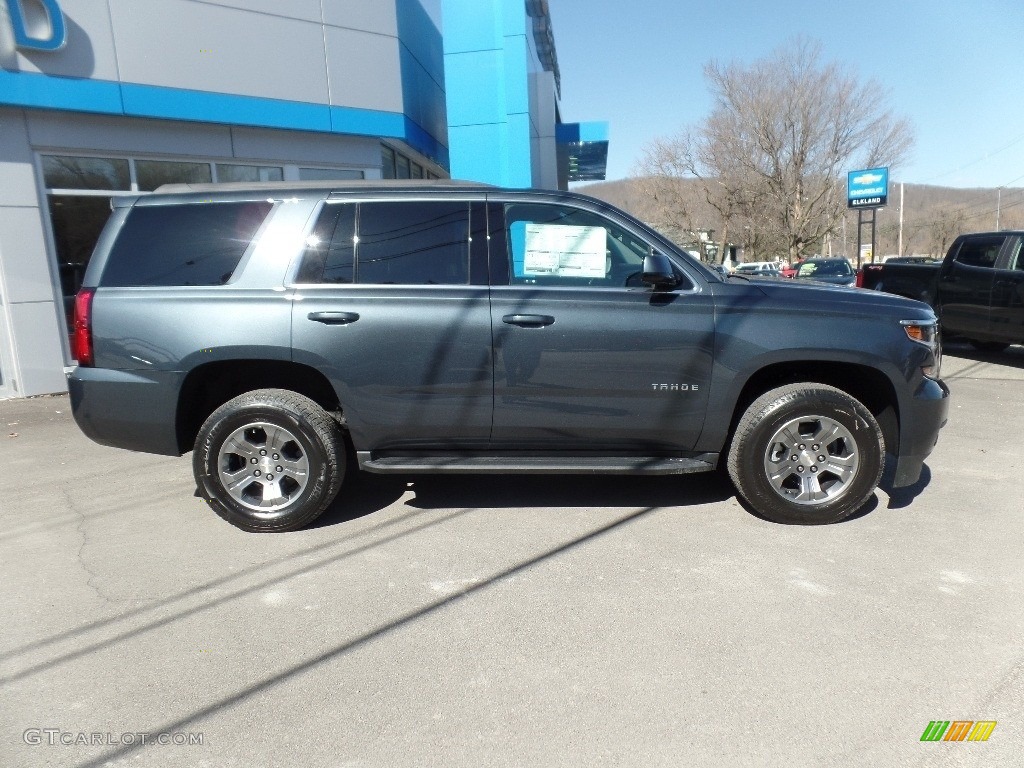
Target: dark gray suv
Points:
(274, 328)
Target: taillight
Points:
(860, 278)
(81, 339)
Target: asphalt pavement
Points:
(511, 621)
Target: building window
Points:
(329, 174)
(387, 162)
(402, 163)
(77, 221)
(417, 171)
(229, 173)
(63, 172)
(152, 174)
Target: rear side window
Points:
(193, 244)
(980, 251)
(390, 243)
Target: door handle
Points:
(528, 321)
(333, 318)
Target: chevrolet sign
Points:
(867, 188)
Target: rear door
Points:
(587, 358)
(391, 303)
(965, 284)
(1007, 317)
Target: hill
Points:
(932, 215)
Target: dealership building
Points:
(105, 98)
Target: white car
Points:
(758, 267)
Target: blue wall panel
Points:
(487, 71)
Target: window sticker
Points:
(563, 250)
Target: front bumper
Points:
(920, 424)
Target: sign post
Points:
(867, 189)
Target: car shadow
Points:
(1012, 356)
(903, 497)
(869, 506)
(364, 493)
(631, 491)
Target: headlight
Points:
(927, 333)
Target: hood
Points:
(842, 298)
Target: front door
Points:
(965, 286)
(586, 357)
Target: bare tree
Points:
(776, 146)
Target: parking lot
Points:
(477, 621)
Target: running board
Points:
(536, 465)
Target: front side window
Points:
(556, 245)
(169, 245)
(389, 243)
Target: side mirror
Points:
(658, 272)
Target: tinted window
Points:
(413, 243)
(198, 244)
(330, 256)
(558, 245)
(401, 243)
(980, 251)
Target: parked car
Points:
(758, 267)
(977, 290)
(835, 271)
(439, 327)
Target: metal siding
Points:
(204, 47)
(376, 16)
(231, 62)
(351, 56)
(18, 187)
(126, 136)
(88, 50)
(37, 346)
(22, 255)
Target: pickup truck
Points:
(977, 291)
(275, 330)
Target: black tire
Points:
(988, 346)
(795, 486)
(283, 466)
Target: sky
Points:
(954, 69)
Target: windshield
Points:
(825, 268)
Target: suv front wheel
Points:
(269, 460)
(806, 453)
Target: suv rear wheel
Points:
(269, 460)
(806, 453)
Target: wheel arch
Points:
(209, 386)
(867, 384)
